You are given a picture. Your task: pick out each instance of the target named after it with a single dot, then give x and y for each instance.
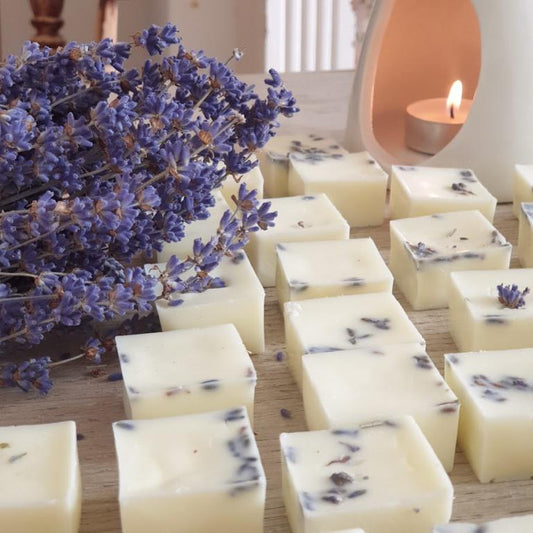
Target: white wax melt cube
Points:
(479, 321)
(241, 302)
(355, 183)
(344, 323)
(515, 524)
(330, 268)
(351, 386)
(381, 476)
(199, 229)
(191, 473)
(300, 218)
(522, 186)
(418, 191)
(253, 179)
(40, 487)
(274, 158)
(424, 250)
(525, 234)
(495, 389)
(186, 371)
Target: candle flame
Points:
(455, 98)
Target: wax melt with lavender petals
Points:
(344, 323)
(240, 301)
(330, 268)
(491, 309)
(198, 229)
(351, 386)
(40, 487)
(525, 234)
(515, 524)
(495, 389)
(381, 476)
(522, 186)
(185, 371)
(424, 250)
(355, 183)
(191, 473)
(274, 158)
(419, 191)
(300, 218)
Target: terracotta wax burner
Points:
(415, 50)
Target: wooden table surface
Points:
(94, 402)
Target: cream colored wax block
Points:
(330, 268)
(495, 389)
(187, 371)
(193, 473)
(300, 218)
(418, 191)
(525, 234)
(351, 386)
(240, 302)
(478, 321)
(199, 229)
(355, 183)
(515, 524)
(522, 186)
(382, 476)
(424, 250)
(253, 179)
(40, 487)
(356, 530)
(274, 158)
(344, 323)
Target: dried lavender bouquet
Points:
(99, 163)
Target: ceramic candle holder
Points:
(414, 50)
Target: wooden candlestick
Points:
(47, 21)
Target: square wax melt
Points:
(382, 476)
(479, 321)
(495, 389)
(525, 234)
(186, 371)
(351, 386)
(198, 229)
(424, 250)
(355, 183)
(253, 179)
(300, 218)
(522, 186)
(40, 487)
(515, 524)
(330, 268)
(240, 302)
(191, 473)
(274, 158)
(418, 191)
(344, 323)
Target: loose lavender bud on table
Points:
(463, 240)
(41, 485)
(392, 472)
(202, 471)
(495, 389)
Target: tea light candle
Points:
(431, 124)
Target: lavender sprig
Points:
(511, 296)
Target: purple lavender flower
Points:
(32, 374)
(511, 296)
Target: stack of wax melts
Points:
(300, 218)
(241, 301)
(516, 524)
(194, 473)
(424, 250)
(522, 186)
(418, 191)
(40, 487)
(382, 476)
(274, 158)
